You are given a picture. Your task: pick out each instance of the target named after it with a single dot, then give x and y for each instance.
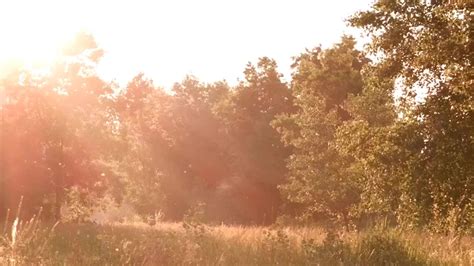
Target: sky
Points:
(166, 40)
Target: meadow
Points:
(359, 150)
(190, 243)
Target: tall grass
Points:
(192, 243)
(24, 242)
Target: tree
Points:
(60, 116)
(319, 181)
(370, 140)
(176, 141)
(258, 154)
(428, 50)
(139, 180)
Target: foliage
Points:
(53, 129)
(347, 141)
(257, 153)
(426, 156)
(79, 205)
(331, 252)
(204, 143)
(319, 180)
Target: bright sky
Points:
(211, 39)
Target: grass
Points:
(24, 242)
(196, 244)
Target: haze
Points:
(170, 39)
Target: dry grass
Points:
(24, 242)
(195, 244)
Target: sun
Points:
(32, 32)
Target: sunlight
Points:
(31, 33)
(244, 132)
(175, 38)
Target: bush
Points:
(384, 249)
(333, 251)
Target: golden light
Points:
(166, 40)
(31, 32)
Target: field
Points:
(32, 243)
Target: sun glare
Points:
(169, 39)
(31, 32)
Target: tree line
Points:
(354, 136)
